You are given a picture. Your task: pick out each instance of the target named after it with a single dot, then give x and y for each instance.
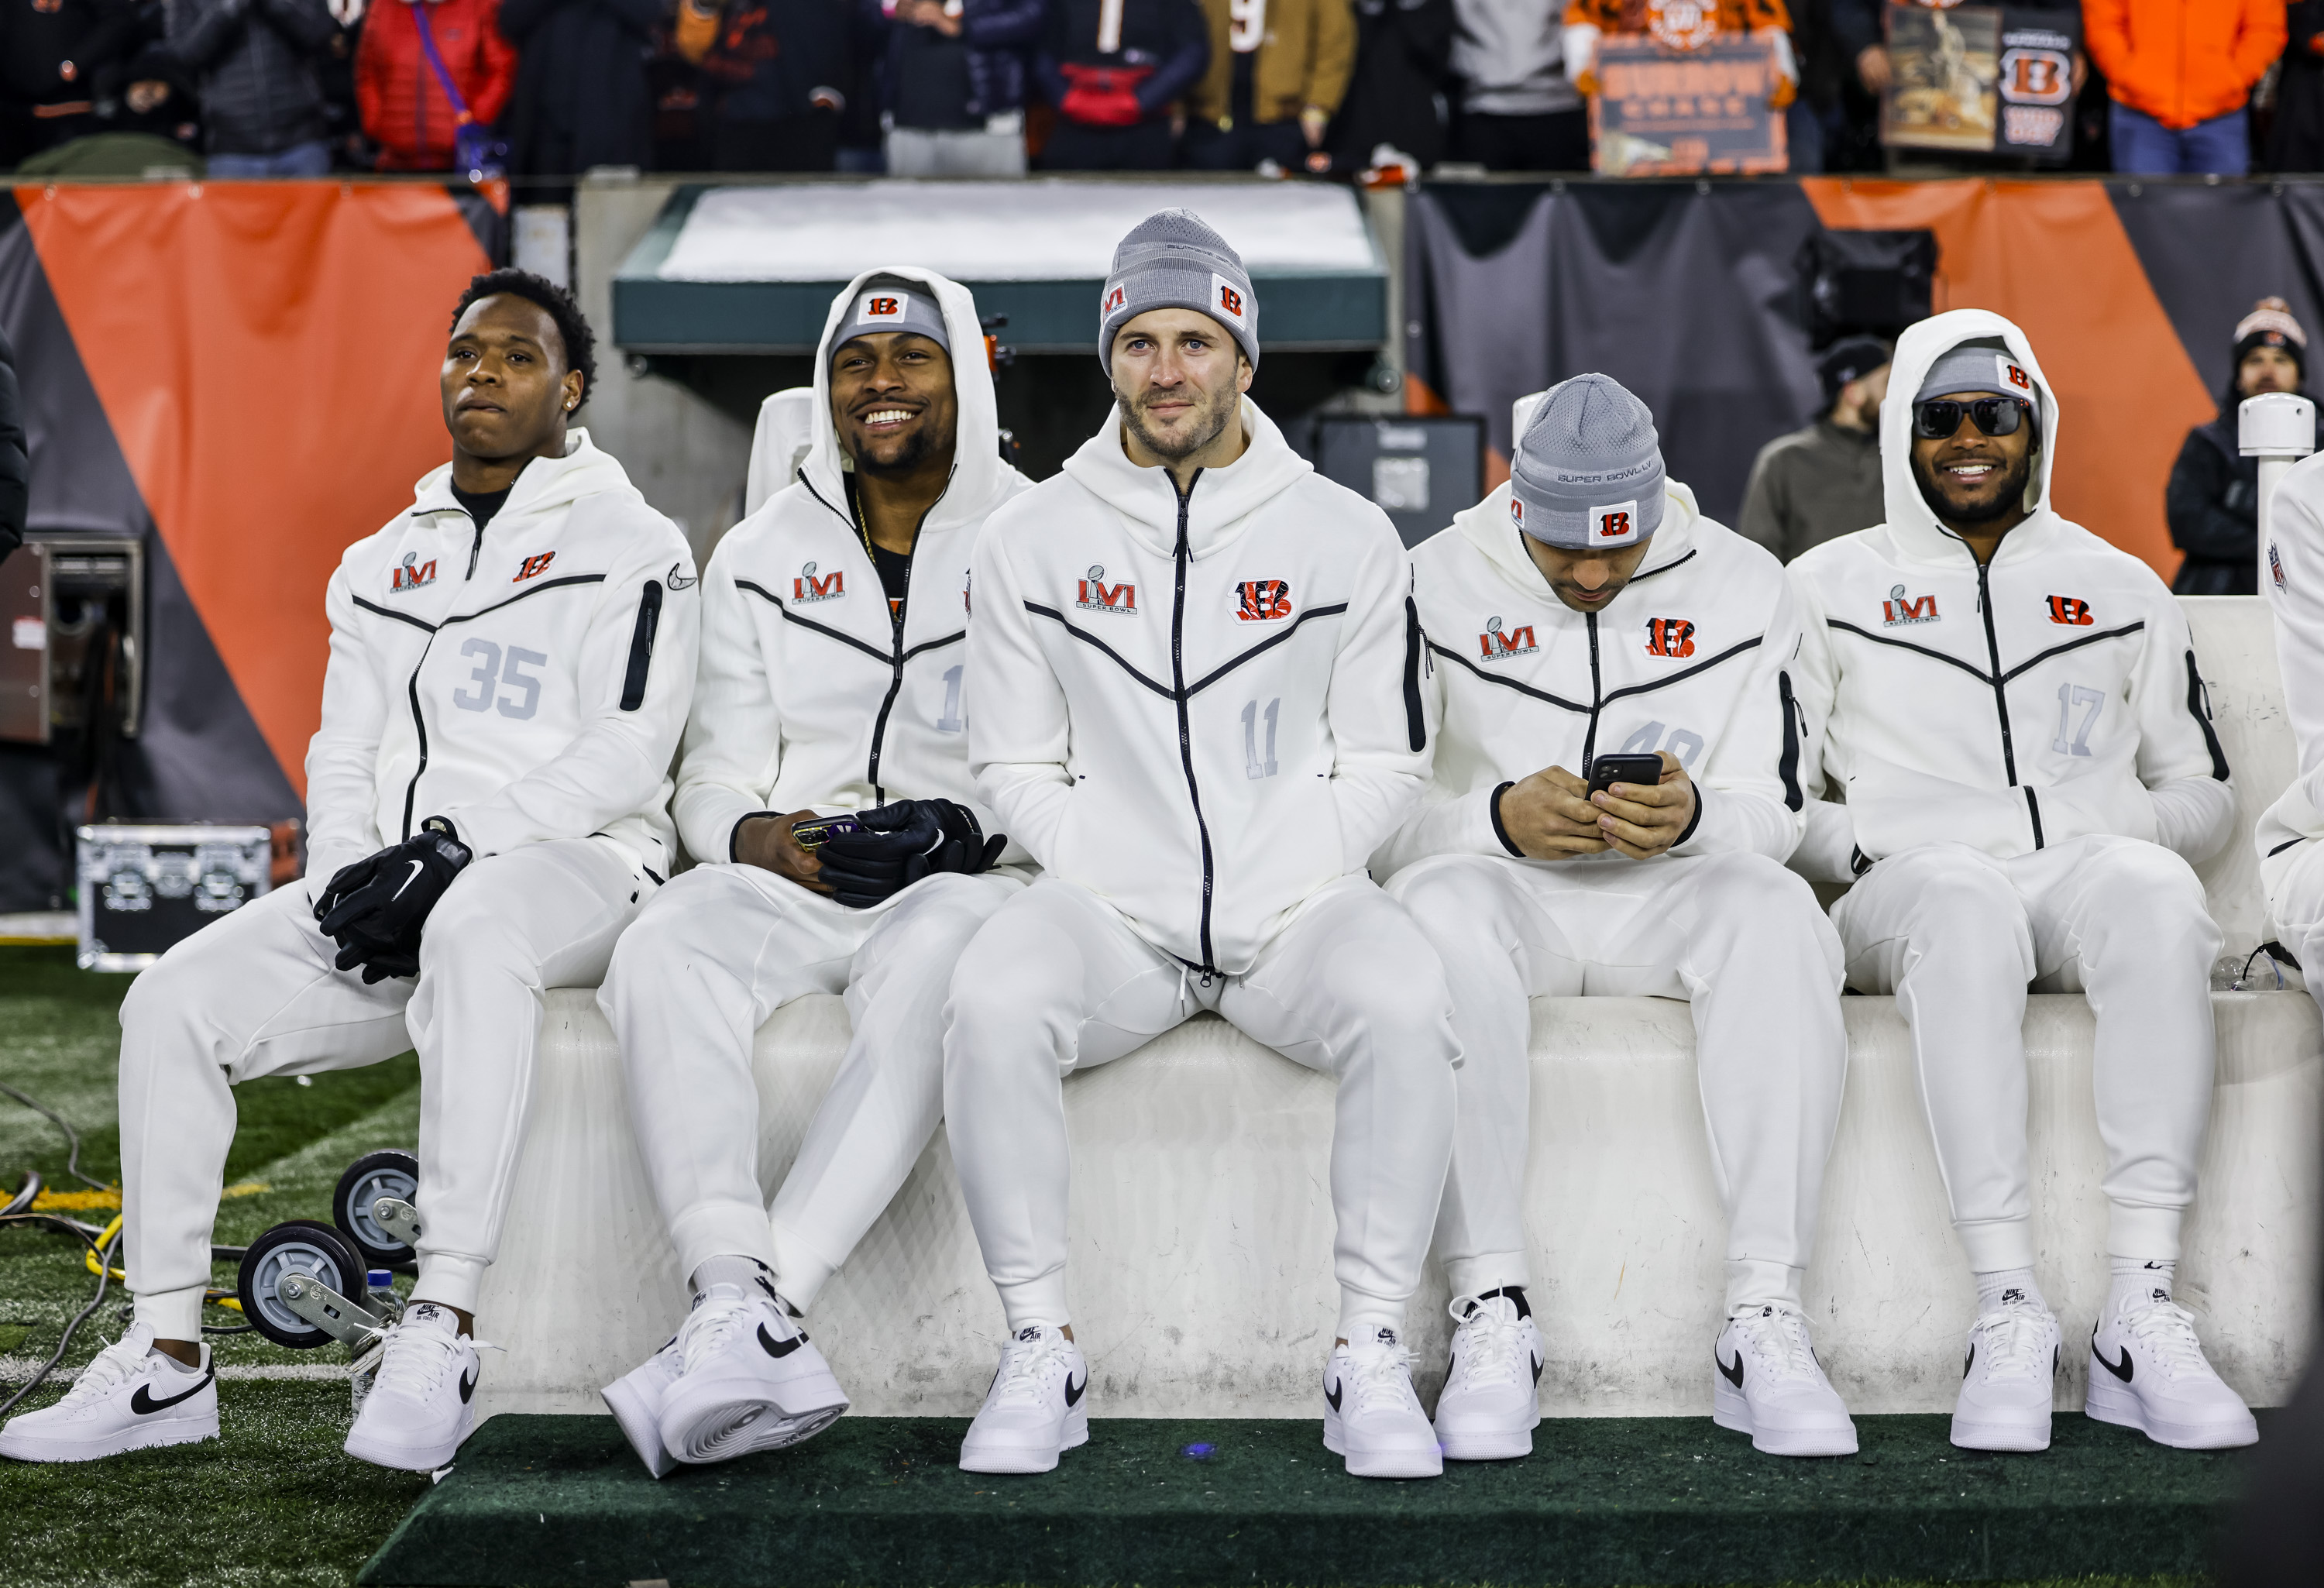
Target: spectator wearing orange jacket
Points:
(2180, 73)
(405, 110)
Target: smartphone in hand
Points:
(1609, 769)
(810, 835)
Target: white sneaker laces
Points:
(2014, 1338)
(1489, 1338)
(2166, 1332)
(1779, 1339)
(1378, 1375)
(722, 1310)
(109, 1369)
(415, 1354)
(1025, 1367)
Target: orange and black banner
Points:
(244, 375)
(1683, 291)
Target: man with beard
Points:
(2011, 709)
(1196, 692)
(830, 686)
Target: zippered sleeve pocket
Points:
(641, 639)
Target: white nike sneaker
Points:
(130, 1396)
(2006, 1381)
(421, 1404)
(1490, 1406)
(748, 1378)
(2148, 1373)
(1771, 1386)
(635, 1400)
(1035, 1409)
(1370, 1414)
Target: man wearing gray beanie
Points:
(1613, 798)
(1193, 695)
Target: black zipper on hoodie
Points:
(1185, 732)
(2001, 694)
(411, 687)
(1596, 699)
(896, 655)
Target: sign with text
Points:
(1661, 112)
(1980, 79)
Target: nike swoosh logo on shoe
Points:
(416, 867)
(143, 1404)
(467, 1386)
(1733, 1375)
(1073, 1391)
(1972, 1359)
(1536, 1370)
(1331, 1396)
(2122, 1372)
(779, 1349)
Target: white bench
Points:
(1202, 1226)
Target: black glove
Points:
(900, 844)
(375, 908)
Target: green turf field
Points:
(273, 1502)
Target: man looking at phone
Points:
(1585, 613)
(830, 687)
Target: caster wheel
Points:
(306, 1246)
(390, 1173)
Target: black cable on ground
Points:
(72, 1137)
(104, 1278)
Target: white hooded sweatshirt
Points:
(1689, 657)
(527, 680)
(2294, 589)
(2046, 696)
(1202, 710)
(808, 698)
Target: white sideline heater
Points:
(2279, 430)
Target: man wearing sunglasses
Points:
(2010, 708)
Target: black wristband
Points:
(1501, 831)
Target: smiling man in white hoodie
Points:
(511, 662)
(1194, 671)
(833, 657)
(2010, 708)
(1587, 608)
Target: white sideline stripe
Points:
(15, 1370)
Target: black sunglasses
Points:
(1937, 418)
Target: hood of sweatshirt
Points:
(1221, 499)
(545, 485)
(1912, 525)
(980, 480)
(1487, 527)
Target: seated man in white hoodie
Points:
(2011, 710)
(1584, 608)
(512, 657)
(1197, 704)
(2291, 858)
(835, 639)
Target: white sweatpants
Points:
(1058, 981)
(254, 993)
(1956, 934)
(1740, 937)
(722, 948)
(2294, 881)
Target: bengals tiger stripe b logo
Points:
(1670, 636)
(1259, 601)
(2066, 609)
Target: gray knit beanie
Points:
(1588, 469)
(892, 303)
(1173, 260)
(1984, 365)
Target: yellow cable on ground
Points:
(105, 1242)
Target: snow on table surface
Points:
(1037, 230)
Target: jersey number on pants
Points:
(491, 671)
(1252, 766)
(2070, 695)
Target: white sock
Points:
(2138, 1280)
(1998, 1287)
(742, 1272)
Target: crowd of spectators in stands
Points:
(553, 88)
